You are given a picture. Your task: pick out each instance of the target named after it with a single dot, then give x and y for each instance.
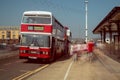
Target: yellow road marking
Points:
(17, 78)
(29, 73)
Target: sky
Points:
(70, 13)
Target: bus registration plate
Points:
(32, 57)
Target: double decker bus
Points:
(42, 36)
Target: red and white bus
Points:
(42, 36)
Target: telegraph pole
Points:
(86, 21)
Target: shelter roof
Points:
(113, 16)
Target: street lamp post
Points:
(86, 21)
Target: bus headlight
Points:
(22, 51)
(43, 52)
(46, 53)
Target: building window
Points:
(3, 36)
(13, 36)
(8, 34)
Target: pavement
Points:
(101, 68)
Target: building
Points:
(9, 34)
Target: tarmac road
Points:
(102, 68)
(11, 66)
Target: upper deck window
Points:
(36, 19)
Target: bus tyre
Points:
(21, 57)
(52, 58)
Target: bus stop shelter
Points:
(109, 27)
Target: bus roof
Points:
(37, 13)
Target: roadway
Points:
(102, 68)
(11, 66)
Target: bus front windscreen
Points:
(35, 40)
(33, 19)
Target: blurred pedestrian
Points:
(90, 47)
(71, 50)
(75, 52)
